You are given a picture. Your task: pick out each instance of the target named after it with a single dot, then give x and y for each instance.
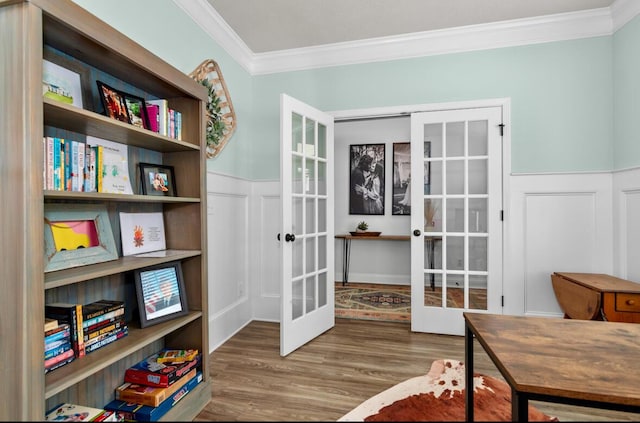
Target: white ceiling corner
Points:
(558, 27)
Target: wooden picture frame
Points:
(401, 203)
(113, 102)
(158, 180)
(161, 293)
(80, 83)
(137, 111)
(77, 235)
(366, 180)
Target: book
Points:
(163, 115)
(50, 324)
(56, 164)
(59, 364)
(151, 373)
(120, 333)
(114, 167)
(49, 165)
(71, 314)
(100, 171)
(139, 412)
(57, 350)
(148, 395)
(153, 111)
(80, 165)
(58, 358)
(104, 330)
(98, 319)
(56, 335)
(67, 165)
(67, 412)
(98, 308)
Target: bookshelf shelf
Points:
(29, 29)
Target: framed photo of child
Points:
(158, 180)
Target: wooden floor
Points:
(326, 378)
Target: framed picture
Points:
(160, 293)
(142, 232)
(366, 181)
(137, 111)
(74, 69)
(114, 103)
(77, 235)
(61, 84)
(158, 180)
(401, 203)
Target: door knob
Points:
(289, 237)
(416, 232)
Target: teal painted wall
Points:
(626, 84)
(164, 29)
(562, 93)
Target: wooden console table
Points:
(595, 296)
(576, 362)
(346, 251)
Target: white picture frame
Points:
(61, 84)
(142, 233)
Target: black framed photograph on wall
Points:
(401, 203)
(366, 180)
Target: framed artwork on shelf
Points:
(137, 111)
(158, 180)
(114, 103)
(401, 203)
(160, 292)
(77, 235)
(61, 79)
(142, 233)
(366, 181)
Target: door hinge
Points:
(501, 215)
(502, 300)
(501, 129)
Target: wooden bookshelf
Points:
(26, 29)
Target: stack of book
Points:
(103, 323)
(57, 345)
(154, 385)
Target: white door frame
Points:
(511, 290)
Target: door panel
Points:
(456, 247)
(307, 294)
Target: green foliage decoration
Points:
(215, 123)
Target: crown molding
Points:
(622, 11)
(558, 27)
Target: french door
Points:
(456, 226)
(307, 231)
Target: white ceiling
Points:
(273, 25)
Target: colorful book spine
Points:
(57, 336)
(58, 358)
(153, 111)
(56, 163)
(80, 168)
(163, 115)
(106, 316)
(59, 364)
(121, 333)
(98, 308)
(100, 171)
(71, 314)
(49, 165)
(106, 330)
(67, 165)
(57, 350)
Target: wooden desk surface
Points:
(601, 282)
(577, 359)
(373, 238)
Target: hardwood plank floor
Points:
(329, 376)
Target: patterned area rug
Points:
(392, 303)
(439, 396)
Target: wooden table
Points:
(579, 362)
(346, 251)
(595, 296)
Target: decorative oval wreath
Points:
(221, 118)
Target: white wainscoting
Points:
(554, 222)
(229, 254)
(586, 222)
(626, 224)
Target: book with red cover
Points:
(161, 375)
(153, 110)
